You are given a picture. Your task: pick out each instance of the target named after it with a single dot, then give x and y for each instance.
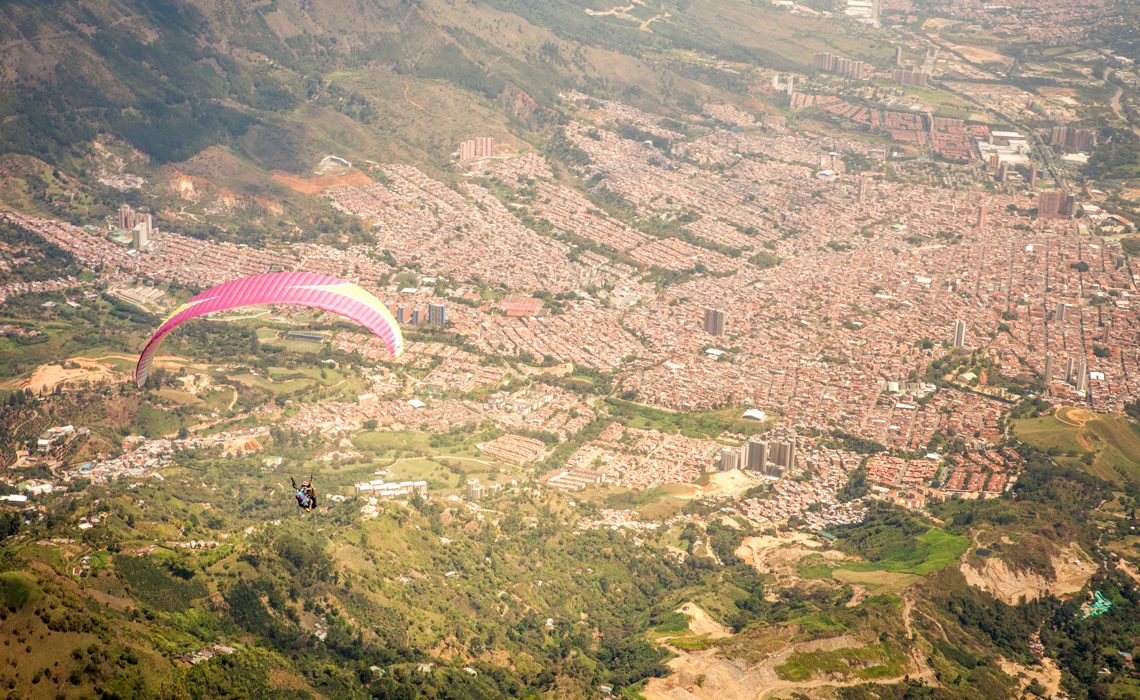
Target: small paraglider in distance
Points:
(291, 288)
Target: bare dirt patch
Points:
(1046, 673)
(1074, 416)
(318, 184)
(78, 371)
(700, 622)
(1129, 569)
(935, 23)
(778, 556)
(732, 678)
(1073, 570)
(91, 370)
(977, 54)
(730, 483)
(1057, 91)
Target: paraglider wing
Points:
(294, 288)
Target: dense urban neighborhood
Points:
(734, 349)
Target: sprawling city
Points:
(677, 349)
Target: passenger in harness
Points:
(306, 495)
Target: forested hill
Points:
(280, 80)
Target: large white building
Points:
(863, 10)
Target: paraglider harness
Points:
(306, 495)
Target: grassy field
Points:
(154, 422)
(386, 441)
(820, 624)
(410, 455)
(1107, 446)
(815, 566)
(701, 424)
(875, 580)
(437, 475)
(658, 502)
(940, 549)
(869, 662)
(273, 337)
(900, 543)
(335, 384)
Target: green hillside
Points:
(1107, 446)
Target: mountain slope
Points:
(174, 77)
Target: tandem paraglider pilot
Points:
(306, 494)
(290, 288)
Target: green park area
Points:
(444, 461)
(698, 424)
(1106, 446)
(307, 382)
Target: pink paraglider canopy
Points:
(295, 288)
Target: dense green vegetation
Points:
(167, 101)
(156, 586)
(1116, 157)
(39, 259)
(897, 540)
(1084, 646)
(764, 260)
